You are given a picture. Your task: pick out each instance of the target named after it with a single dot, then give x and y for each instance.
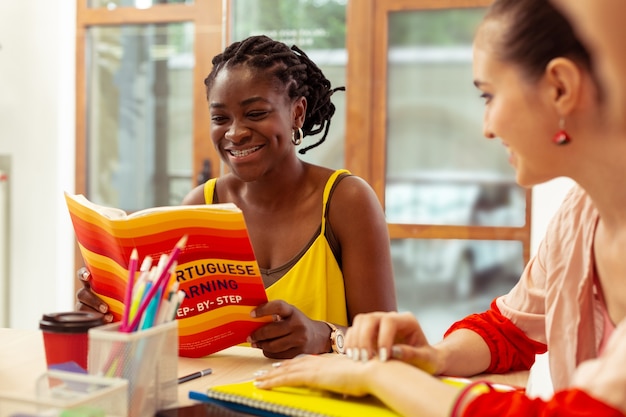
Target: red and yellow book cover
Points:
(217, 269)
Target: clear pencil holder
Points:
(60, 393)
(148, 359)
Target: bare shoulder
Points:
(357, 219)
(354, 201)
(353, 190)
(195, 196)
(349, 186)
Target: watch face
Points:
(339, 342)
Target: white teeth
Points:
(245, 152)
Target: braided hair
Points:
(291, 66)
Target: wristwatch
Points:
(336, 338)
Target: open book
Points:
(217, 269)
(290, 401)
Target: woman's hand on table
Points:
(87, 300)
(402, 387)
(290, 333)
(335, 373)
(391, 335)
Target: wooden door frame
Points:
(366, 114)
(207, 16)
(208, 41)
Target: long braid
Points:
(301, 76)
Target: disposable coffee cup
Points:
(66, 337)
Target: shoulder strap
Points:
(330, 185)
(209, 191)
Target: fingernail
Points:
(253, 314)
(349, 353)
(396, 352)
(252, 342)
(260, 372)
(277, 364)
(382, 354)
(355, 354)
(259, 384)
(103, 308)
(364, 355)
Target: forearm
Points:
(408, 390)
(412, 392)
(463, 353)
(507, 346)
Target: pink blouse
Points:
(554, 303)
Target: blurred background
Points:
(110, 95)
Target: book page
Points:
(115, 213)
(203, 207)
(110, 212)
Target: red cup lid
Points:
(71, 321)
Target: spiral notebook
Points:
(290, 402)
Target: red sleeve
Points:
(511, 349)
(571, 403)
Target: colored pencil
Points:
(165, 274)
(132, 269)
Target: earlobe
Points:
(299, 111)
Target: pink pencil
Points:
(132, 269)
(165, 274)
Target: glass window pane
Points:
(441, 198)
(139, 106)
(319, 29)
(440, 170)
(441, 281)
(139, 4)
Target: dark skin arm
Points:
(359, 225)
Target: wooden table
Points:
(22, 361)
(234, 364)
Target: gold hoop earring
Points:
(297, 140)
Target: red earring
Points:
(561, 137)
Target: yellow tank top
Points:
(315, 282)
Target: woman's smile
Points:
(242, 153)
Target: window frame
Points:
(366, 143)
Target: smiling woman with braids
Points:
(320, 236)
